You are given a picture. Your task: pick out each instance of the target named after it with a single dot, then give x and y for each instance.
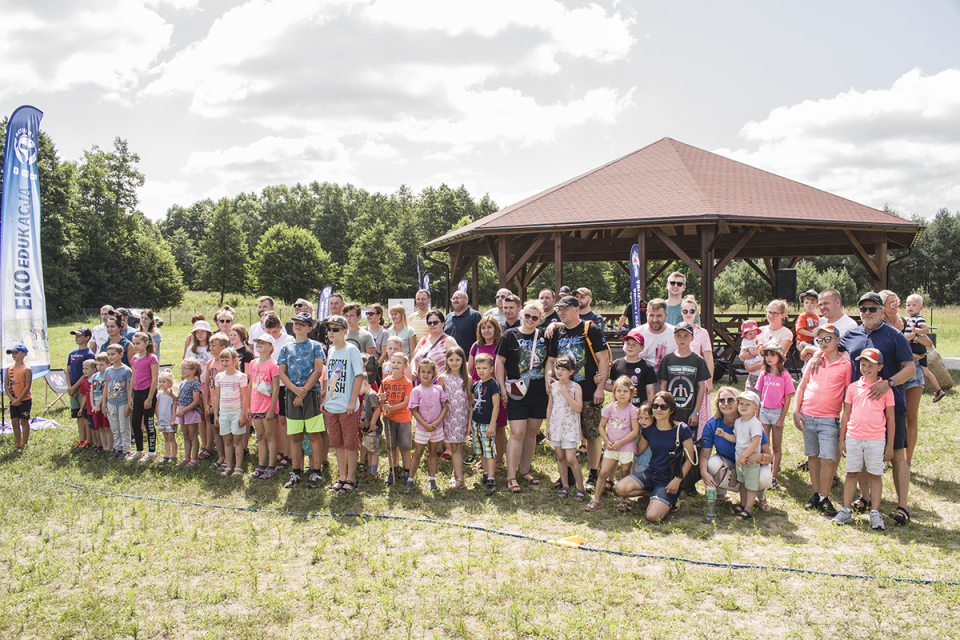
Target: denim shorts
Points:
(917, 380)
(770, 416)
(821, 437)
(656, 484)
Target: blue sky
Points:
(508, 97)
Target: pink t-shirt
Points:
(427, 401)
(142, 375)
(868, 420)
(262, 373)
(823, 395)
(774, 388)
(619, 424)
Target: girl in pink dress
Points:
(456, 383)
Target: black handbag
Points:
(677, 457)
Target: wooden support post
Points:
(864, 257)
(880, 257)
(557, 262)
(707, 236)
(642, 251)
(503, 249)
(475, 285)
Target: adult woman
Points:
(914, 386)
(436, 344)
(148, 325)
(522, 354)
(401, 329)
(225, 319)
(238, 341)
(701, 346)
(658, 481)
(112, 324)
(774, 332)
(377, 330)
(724, 417)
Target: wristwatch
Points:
(892, 383)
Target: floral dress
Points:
(458, 411)
(564, 423)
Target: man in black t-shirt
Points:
(586, 345)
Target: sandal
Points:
(581, 451)
(623, 505)
(283, 462)
(581, 494)
(744, 515)
(336, 486)
(348, 485)
(513, 485)
(204, 454)
(218, 466)
(594, 505)
(453, 483)
(738, 509)
(237, 473)
(901, 516)
(564, 492)
(938, 396)
(609, 486)
(226, 471)
(530, 478)
(860, 505)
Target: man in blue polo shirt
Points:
(461, 323)
(898, 368)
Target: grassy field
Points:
(88, 564)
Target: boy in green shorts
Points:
(301, 365)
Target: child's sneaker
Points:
(293, 481)
(827, 508)
(148, 457)
(491, 486)
(257, 473)
(433, 484)
(844, 516)
(876, 521)
(408, 487)
(171, 461)
(313, 480)
(134, 455)
(390, 478)
(267, 473)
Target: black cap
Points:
(567, 301)
(808, 294)
(683, 326)
(871, 296)
(305, 318)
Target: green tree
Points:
(223, 259)
(373, 264)
(289, 263)
(185, 255)
(192, 220)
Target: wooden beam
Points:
(475, 285)
(503, 243)
(534, 245)
(557, 262)
(744, 239)
(623, 267)
(666, 265)
(680, 253)
(492, 247)
(793, 262)
(759, 271)
(880, 257)
(863, 256)
(540, 268)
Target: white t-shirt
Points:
(746, 430)
(844, 324)
(657, 345)
(100, 335)
(285, 338)
(768, 336)
(255, 332)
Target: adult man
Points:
(461, 323)
(418, 319)
(676, 285)
(264, 304)
(123, 315)
(511, 312)
(658, 337)
(100, 335)
(335, 309)
(898, 368)
(585, 299)
(548, 299)
(585, 344)
(831, 312)
(627, 317)
(497, 312)
(303, 306)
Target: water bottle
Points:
(711, 508)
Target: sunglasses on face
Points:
(501, 297)
(298, 305)
(334, 329)
(527, 316)
(824, 340)
(660, 407)
(223, 321)
(433, 323)
(727, 401)
(869, 309)
(676, 284)
(688, 312)
(371, 313)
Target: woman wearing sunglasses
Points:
(774, 332)
(378, 331)
(658, 481)
(702, 347)
(436, 344)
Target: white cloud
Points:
(898, 146)
(107, 44)
(156, 197)
(378, 150)
(177, 5)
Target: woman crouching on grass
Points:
(658, 481)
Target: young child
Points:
(394, 345)
(619, 428)
(428, 406)
(645, 419)
(264, 395)
(394, 399)
(97, 386)
(199, 347)
(917, 326)
(775, 388)
(75, 360)
(866, 437)
(370, 427)
(300, 367)
(563, 423)
(817, 416)
(807, 321)
(166, 401)
(486, 408)
(118, 399)
(80, 390)
(210, 437)
(638, 370)
(747, 434)
(146, 370)
(230, 411)
(750, 353)
(189, 409)
(456, 383)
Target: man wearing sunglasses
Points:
(676, 285)
(497, 312)
(461, 323)
(898, 368)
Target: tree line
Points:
(290, 241)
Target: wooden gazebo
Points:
(676, 202)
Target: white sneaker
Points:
(147, 457)
(844, 516)
(876, 521)
(134, 455)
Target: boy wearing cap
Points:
(300, 366)
(17, 387)
(684, 374)
(817, 414)
(81, 336)
(747, 434)
(750, 353)
(344, 380)
(808, 320)
(866, 436)
(641, 374)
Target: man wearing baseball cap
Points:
(898, 368)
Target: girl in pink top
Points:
(619, 428)
(264, 392)
(775, 387)
(146, 371)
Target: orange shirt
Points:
(17, 379)
(396, 391)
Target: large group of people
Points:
(430, 384)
